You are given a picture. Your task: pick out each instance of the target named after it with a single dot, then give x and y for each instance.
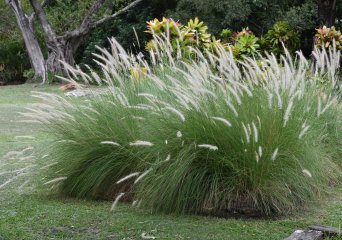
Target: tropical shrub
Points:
(246, 46)
(226, 35)
(13, 60)
(181, 37)
(243, 33)
(242, 44)
(188, 138)
(325, 37)
(279, 36)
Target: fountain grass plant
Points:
(204, 136)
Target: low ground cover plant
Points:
(209, 135)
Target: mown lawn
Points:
(31, 211)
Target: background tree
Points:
(123, 27)
(62, 45)
(13, 55)
(326, 12)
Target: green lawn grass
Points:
(33, 212)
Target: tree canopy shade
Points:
(326, 12)
(62, 45)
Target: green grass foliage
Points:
(207, 136)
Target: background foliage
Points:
(13, 57)
(258, 15)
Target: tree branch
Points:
(32, 17)
(38, 9)
(87, 25)
(93, 10)
(121, 11)
(45, 3)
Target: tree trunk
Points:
(326, 12)
(56, 46)
(62, 49)
(31, 42)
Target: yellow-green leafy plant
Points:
(280, 35)
(164, 28)
(325, 37)
(165, 25)
(198, 32)
(244, 32)
(181, 37)
(226, 35)
(216, 45)
(246, 45)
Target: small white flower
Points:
(179, 134)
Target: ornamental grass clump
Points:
(207, 136)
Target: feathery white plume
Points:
(255, 130)
(117, 199)
(246, 132)
(287, 112)
(208, 146)
(307, 173)
(223, 120)
(55, 180)
(175, 111)
(274, 154)
(110, 143)
(303, 131)
(141, 143)
(128, 177)
(143, 175)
